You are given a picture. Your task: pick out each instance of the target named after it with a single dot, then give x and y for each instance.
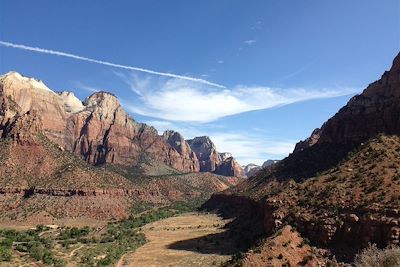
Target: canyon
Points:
(335, 194)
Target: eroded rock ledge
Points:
(76, 192)
(350, 228)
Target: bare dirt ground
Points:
(194, 239)
(32, 223)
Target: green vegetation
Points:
(86, 246)
(29, 242)
(5, 249)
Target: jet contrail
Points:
(62, 54)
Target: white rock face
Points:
(251, 169)
(250, 166)
(71, 102)
(225, 155)
(29, 82)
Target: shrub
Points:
(305, 260)
(5, 254)
(374, 257)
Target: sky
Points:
(255, 76)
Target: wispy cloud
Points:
(177, 100)
(220, 61)
(250, 148)
(250, 42)
(85, 87)
(106, 63)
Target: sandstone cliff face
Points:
(230, 167)
(177, 141)
(98, 130)
(23, 128)
(376, 110)
(310, 141)
(206, 153)
(212, 161)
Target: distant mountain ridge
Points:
(99, 130)
(251, 168)
(213, 161)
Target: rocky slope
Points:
(211, 160)
(41, 181)
(59, 158)
(374, 111)
(340, 188)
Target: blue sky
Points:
(285, 66)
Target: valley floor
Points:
(193, 239)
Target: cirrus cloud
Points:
(178, 100)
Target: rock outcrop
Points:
(376, 110)
(225, 155)
(251, 169)
(309, 141)
(206, 153)
(230, 167)
(212, 161)
(23, 128)
(177, 141)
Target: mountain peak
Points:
(103, 104)
(14, 76)
(71, 102)
(101, 98)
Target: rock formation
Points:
(98, 130)
(230, 167)
(177, 141)
(251, 169)
(23, 128)
(309, 141)
(376, 110)
(225, 155)
(212, 161)
(206, 153)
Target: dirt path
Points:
(187, 240)
(73, 251)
